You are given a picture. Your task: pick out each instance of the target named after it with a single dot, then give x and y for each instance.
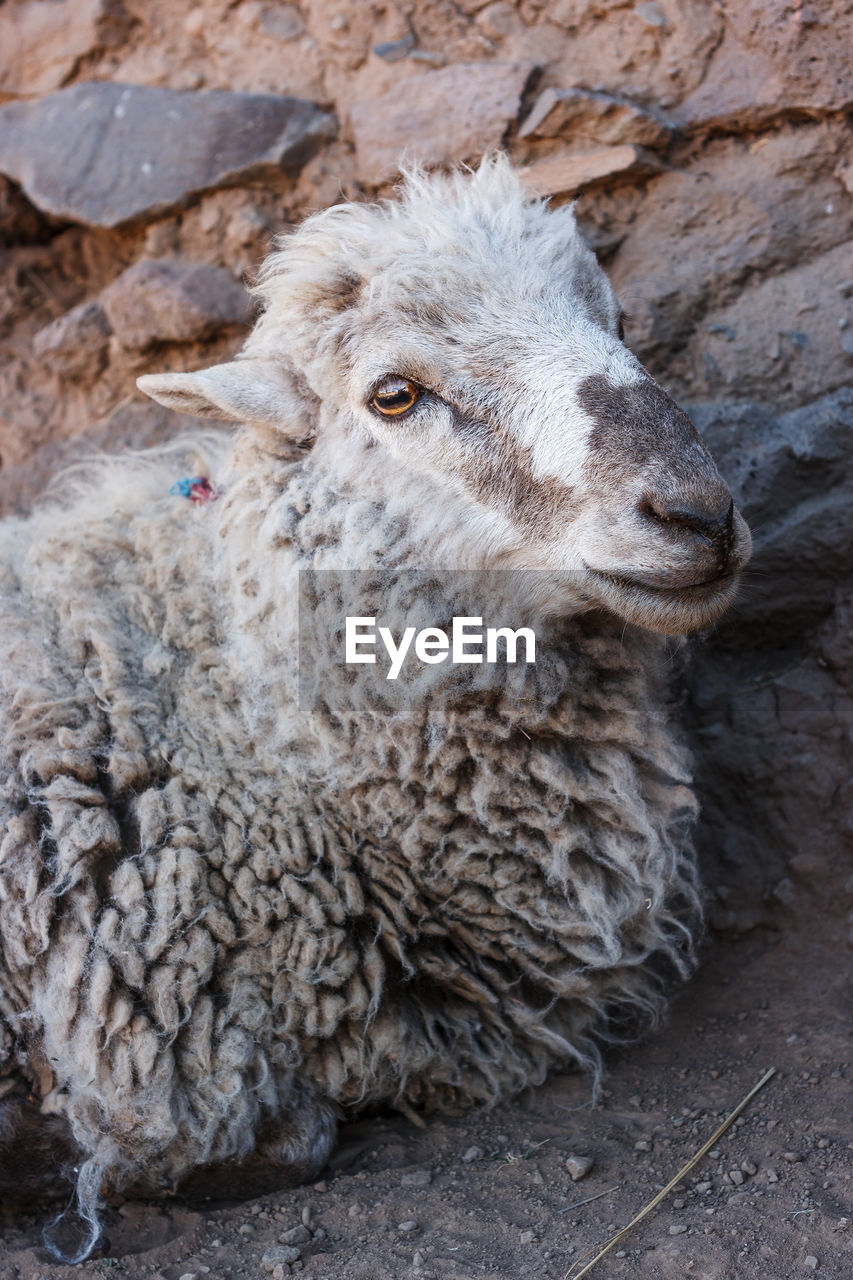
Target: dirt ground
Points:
(489, 1195)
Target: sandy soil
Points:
(489, 1195)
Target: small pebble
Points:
(279, 1254)
(679, 1203)
(420, 1178)
(307, 1215)
(677, 1231)
(245, 1229)
(642, 1145)
(736, 1177)
(749, 1167)
(772, 1175)
(394, 50)
(811, 1262)
(652, 13)
(321, 1186)
(502, 1139)
(702, 1187)
(408, 1226)
(527, 1237)
(793, 1157)
(418, 1258)
(473, 1153)
(579, 1167)
(296, 1235)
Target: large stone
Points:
(749, 208)
(75, 345)
(594, 116)
(106, 154)
(456, 113)
(771, 690)
(775, 60)
(576, 171)
(776, 329)
(168, 300)
(41, 45)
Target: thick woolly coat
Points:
(434, 906)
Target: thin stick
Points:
(571, 1274)
(579, 1203)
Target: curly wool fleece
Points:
(221, 916)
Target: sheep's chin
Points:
(676, 611)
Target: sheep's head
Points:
(464, 334)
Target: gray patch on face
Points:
(498, 471)
(639, 429)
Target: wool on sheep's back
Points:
(200, 929)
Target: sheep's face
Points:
(466, 338)
(520, 398)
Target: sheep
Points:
(234, 907)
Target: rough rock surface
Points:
(108, 153)
(731, 253)
(45, 44)
(776, 61)
(453, 114)
(75, 345)
(771, 691)
(562, 175)
(600, 117)
(168, 300)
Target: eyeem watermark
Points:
(467, 642)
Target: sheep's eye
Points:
(395, 396)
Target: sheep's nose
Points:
(711, 519)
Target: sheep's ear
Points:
(258, 392)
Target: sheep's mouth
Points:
(675, 610)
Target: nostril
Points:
(712, 522)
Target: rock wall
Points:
(149, 150)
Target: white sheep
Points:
(229, 914)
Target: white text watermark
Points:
(468, 642)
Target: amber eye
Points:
(395, 396)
